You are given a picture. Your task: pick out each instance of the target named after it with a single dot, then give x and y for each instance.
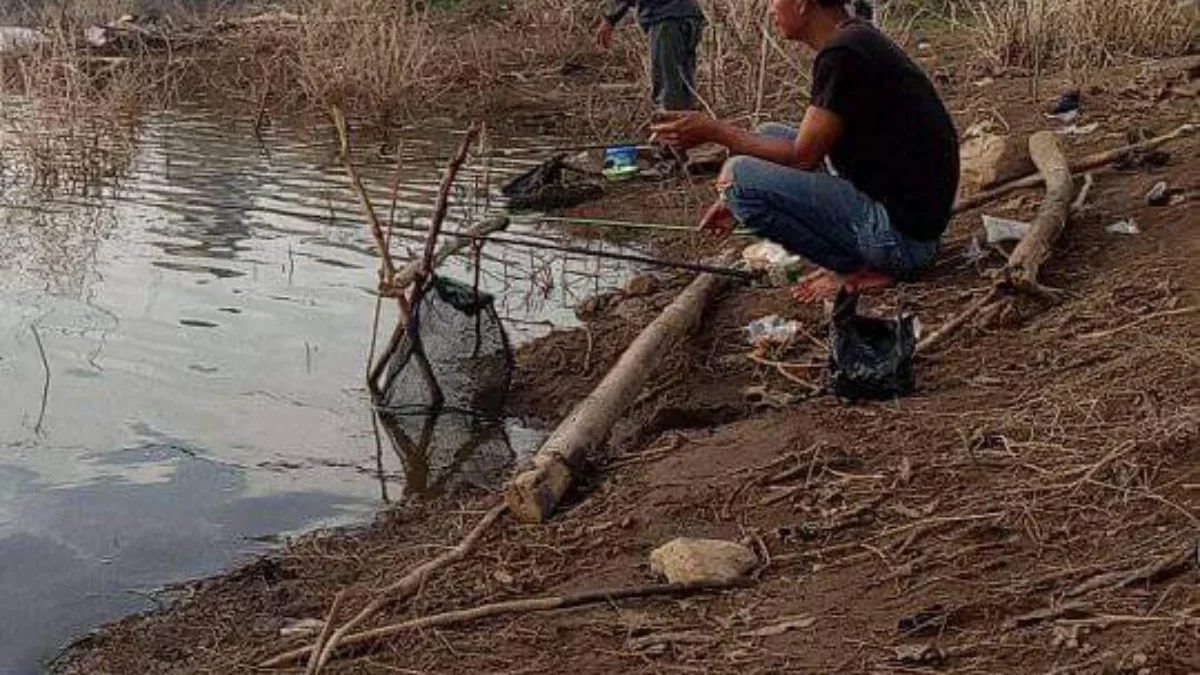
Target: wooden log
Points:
(1087, 163)
(533, 495)
(1021, 272)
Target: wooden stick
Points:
(410, 272)
(1163, 567)
(1089, 162)
(387, 268)
(326, 630)
(396, 591)
(1021, 272)
(533, 605)
(443, 200)
(1138, 322)
(534, 494)
(956, 322)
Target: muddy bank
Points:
(1033, 507)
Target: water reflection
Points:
(443, 450)
(204, 319)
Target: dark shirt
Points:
(899, 145)
(650, 12)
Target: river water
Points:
(182, 356)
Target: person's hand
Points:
(683, 130)
(604, 35)
(718, 220)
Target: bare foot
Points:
(823, 284)
(864, 279)
(816, 285)
(718, 220)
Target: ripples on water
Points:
(206, 321)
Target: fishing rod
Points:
(579, 250)
(625, 224)
(528, 150)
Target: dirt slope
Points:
(1038, 499)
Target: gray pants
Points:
(673, 45)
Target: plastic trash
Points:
(1003, 229)
(870, 357)
(1124, 226)
(772, 329)
(1067, 103)
(1076, 130)
(1159, 195)
(620, 162)
(16, 37)
(782, 268)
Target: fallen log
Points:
(533, 495)
(1087, 163)
(1021, 272)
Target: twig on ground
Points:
(536, 605)
(957, 321)
(395, 592)
(326, 631)
(1139, 321)
(1163, 567)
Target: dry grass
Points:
(1082, 33)
(70, 117)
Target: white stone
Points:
(686, 560)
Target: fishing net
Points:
(457, 330)
(463, 341)
(546, 186)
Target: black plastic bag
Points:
(870, 357)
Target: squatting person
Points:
(879, 214)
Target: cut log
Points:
(1021, 272)
(534, 494)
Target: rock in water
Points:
(687, 560)
(642, 284)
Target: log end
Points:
(533, 495)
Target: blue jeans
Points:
(819, 216)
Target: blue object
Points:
(620, 161)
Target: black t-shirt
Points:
(899, 145)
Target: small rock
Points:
(632, 310)
(686, 560)
(987, 159)
(642, 284)
(1139, 660)
(503, 577)
(589, 307)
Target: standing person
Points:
(888, 136)
(674, 28)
